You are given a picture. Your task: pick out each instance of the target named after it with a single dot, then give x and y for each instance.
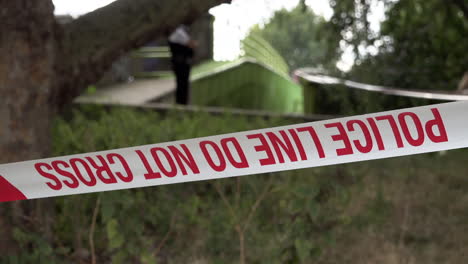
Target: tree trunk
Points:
(240, 233)
(26, 82)
(26, 78)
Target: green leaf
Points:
(116, 239)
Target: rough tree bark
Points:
(44, 65)
(27, 56)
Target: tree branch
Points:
(90, 44)
(165, 238)
(259, 199)
(92, 228)
(226, 202)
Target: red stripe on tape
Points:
(8, 192)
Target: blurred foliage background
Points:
(422, 45)
(419, 45)
(298, 36)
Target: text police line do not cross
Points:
(387, 134)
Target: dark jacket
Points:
(181, 54)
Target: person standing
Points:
(182, 50)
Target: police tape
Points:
(342, 140)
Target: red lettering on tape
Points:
(376, 132)
(56, 185)
(242, 162)
(172, 171)
(263, 147)
(123, 162)
(298, 144)
(71, 181)
(438, 123)
(282, 145)
(185, 157)
(341, 136)
(315, 139)
(419, 140)
(150, 173)
(100, 169)
(222, 162)
(74, 164)
(394, 127)
(365, 131)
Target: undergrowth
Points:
(402, 210)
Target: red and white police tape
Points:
(365, 137)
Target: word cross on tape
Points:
(357, 138)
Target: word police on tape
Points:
(365, 137)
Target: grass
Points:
(406, 210)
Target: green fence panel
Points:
(248, 84)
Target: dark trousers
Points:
(182, 73)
